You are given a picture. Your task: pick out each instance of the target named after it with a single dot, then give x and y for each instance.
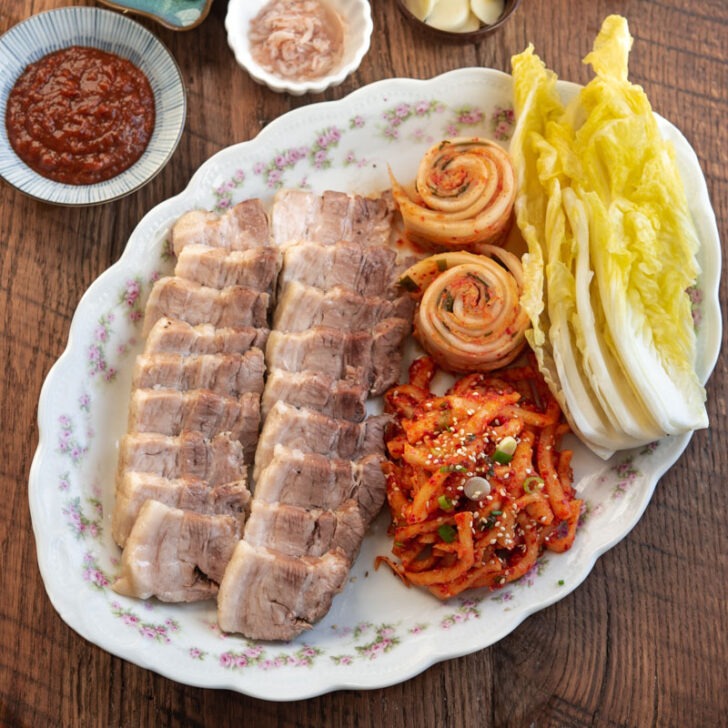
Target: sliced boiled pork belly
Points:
(321, 392)
(173, 336)
(194, 414)
(178, 298)
(243, 226)
(333, 352)
(256, 268)
(331, 218)
(367, 271)
(297, 478)
(172, 412)
(215, 460)
(176, 555)
(310, 431)
(299, 531)
(336, 335)
(302, 307)
(370, 358)
(228, 374)
(189, 494)
(268, 595)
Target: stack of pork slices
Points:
(336, 340)
(194, 417)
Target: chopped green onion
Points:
(408, 284)
(445, 503)
(496, 513)
(561, 582)
(531, 484)
(504, 450)
(487, 523)
(447, 533)
(447, 301)
(442, 264)
(453, 468)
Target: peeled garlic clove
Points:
(449, 15)
(488, 11)
(420, 8)
(471, 24)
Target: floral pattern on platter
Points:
(93, 574)
(402, 119)
(318, 155)
(256, 656)
(131, 301)
(82, 525)
(369, 642)
(69, 443)
(162, 632)
(695, 294)
(625, 472)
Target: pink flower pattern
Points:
(92, 573)
(81, 525)
(161, 633)
(256, 656)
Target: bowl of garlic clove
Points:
(462, 21)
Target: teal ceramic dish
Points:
(172, 14)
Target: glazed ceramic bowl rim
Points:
(43, 33)
(158, 17)
(239, 14)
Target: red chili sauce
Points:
(80, 115)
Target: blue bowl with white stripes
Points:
(31, 39)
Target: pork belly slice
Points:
(330, 218)
(178, 298)
(241, 227)
(216, 460)
(178, 337)
(333, 397)
(309, 431)
(302, 307)
(369, 358)
(268, 595)
(256, 268)
(310, 480)
(170, 412)
(298, 531)
(189, 494)
(333, 352)
(176, 555)
(228, 374)
(368, 271)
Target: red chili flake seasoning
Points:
(80, 115)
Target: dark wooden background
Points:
(643, 642)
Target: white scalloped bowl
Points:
(357, 17)
(40, 34)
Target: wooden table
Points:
(643, 642)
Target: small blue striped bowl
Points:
(31, 39)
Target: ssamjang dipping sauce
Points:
(80, 115)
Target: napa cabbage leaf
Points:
(611, 251)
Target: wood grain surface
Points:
(642, 642)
